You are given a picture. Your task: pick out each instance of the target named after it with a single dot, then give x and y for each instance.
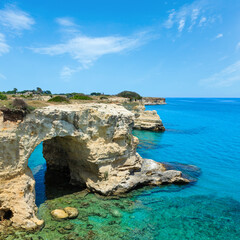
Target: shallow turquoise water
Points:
(201, 132)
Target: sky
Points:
(158, 48)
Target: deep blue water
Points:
(200, 132)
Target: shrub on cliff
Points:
(103, 97)
(129, 94)
(20, 104)
(80, 97)
(58, 99)
(3, 97)
(95, 94)
(16, 110)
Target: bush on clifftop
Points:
(80, 97)
(58, 99)
(3, 97)
(20, 104)
(129, 94)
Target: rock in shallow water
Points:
(116, 213)
(72, 212)
(59, 214)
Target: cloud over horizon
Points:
(225, 78)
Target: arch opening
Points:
(52, 165)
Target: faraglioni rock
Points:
(94, 142)
(144, 120)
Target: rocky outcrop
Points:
(144, 120)
(92, 141)
(153, 101)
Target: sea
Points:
(202, 138)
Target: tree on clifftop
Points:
(39, 90)
(129, 94)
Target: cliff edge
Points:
(93, 141)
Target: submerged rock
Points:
(116, 213)
(72, 212)
(59, 214)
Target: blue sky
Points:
(155, 47)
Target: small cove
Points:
(201, 132)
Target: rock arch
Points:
(95, 140)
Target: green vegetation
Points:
(105, 175)
(58, 99)
(37, 91)
(130, 95)
(96, 94)
(18, 104)
(21, 105)
(81, 97)
(3, 97)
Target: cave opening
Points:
(50, 168)
(6, 214)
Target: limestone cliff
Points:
(93, 141)
(153, 101)
(144, 120)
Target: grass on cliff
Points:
(33, 104)
(81, 97)
(3, 96)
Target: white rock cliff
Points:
(93, 141)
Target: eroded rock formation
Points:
(93, 141)
(153, 101)
(144, 120)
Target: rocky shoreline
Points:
(93, 141)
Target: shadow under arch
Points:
(50, 164)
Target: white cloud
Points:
(86, 50)
(2, 77)
(188, 16)
(170, 21)
(15, 19)
(225, 78)
(4, 47)
(181, 25)
(65, 22)
(202, 21)
(67, 72)
(219, 35)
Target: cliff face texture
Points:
(92, 141)
(153, 101)
(144, 120)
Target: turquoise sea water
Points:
(201, 132)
